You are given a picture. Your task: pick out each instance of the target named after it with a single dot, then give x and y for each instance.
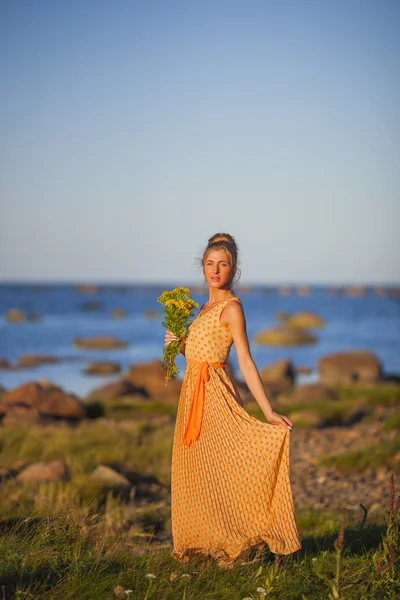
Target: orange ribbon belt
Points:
(196, 409)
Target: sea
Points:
(369, 320)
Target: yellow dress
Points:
(230, 486)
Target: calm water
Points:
(367, 322)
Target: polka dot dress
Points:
(230, 488)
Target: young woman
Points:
(230, 487)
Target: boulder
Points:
(284, 335)
(104, 342)
(118, 313)
(34, 402)
(350, 367)
(33, 360)
(305, 319)
(150, 376)
(102, 368)
(14, 315)
(57, 470)
(88, 289)
(112, 479)
(310, 392)
(303, 370)
(34, 316)
(92, 305)
(116, 389)
(354, 291)
(4, 364)
(281, 315)
(306, 418)
(303, 290)
(151, 313)
(279, 375)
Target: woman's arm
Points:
(233, 317)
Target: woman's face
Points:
(217, 269)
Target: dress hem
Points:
(222, 556)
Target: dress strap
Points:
(225, 302)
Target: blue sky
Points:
(134, 130)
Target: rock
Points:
(306, 418)
(33, 360)
(150, 376)
(284, 335)
(3, 391)
(14, 315)
(284, 290)
(309, 392)
(354, 291)
(281, 315)
(34, 316)
(34, 402)
(306, 320)
(116, 389)
(57, 470)
(111, 478)
(151, 313)
(349, 368)
(4, 364)
(87, 289)
(303, 290)
(118, 313)
(102, 368)
(92, 305)
(278, 375)
(303, 370)
(100, 342)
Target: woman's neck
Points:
(218, 295)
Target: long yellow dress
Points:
(230, 486)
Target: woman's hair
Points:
(224, 241)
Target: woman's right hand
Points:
(169, 337)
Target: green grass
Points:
(376, 455)
(59, 558)
(392, 424)
(77, 540)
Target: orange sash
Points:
(196, 409)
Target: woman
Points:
(230, 487)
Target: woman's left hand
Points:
(276, 419)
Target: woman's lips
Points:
(215, 278)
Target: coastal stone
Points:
(281, 315)
(284, 335)
(349, 368)
(306, 418)
(92, 305)
(118, 313)
(279, 375)
(354, 291)
(32, 401)
(111, 478)
(150, 376)
(305, 319)
(151, 313)
(309, 392)
(57, 470)
(4, 364)
(116, 389)
(302, 370)
(87, 289)
(102, 368)
(14, 315)
(104, 342)
(33, 360)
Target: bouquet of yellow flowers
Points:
(178, 306)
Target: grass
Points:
(72, 540)
(384, 453)
(59, 558)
